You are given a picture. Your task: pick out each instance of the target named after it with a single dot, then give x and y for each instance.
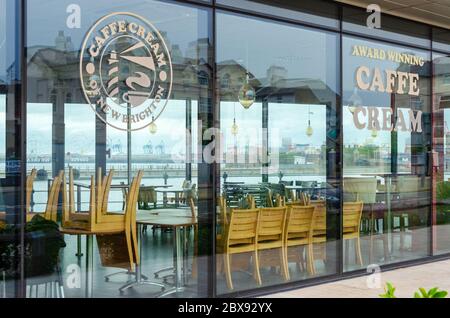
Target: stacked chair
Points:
(277, 236)
(115, 231)
(97, 217)
(51, 209)
(120, 250)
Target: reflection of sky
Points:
(285, 120)
(303, 52)
(39, 128)
(80, 129)
(351, 63)
(179, 22)
(373, 99)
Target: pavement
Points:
(406, 281)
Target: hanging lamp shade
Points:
(309, 131)
(153, 128)
(247, 95)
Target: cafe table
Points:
(80, 186)
(177, 192)
(179, 224)
(388, 192)
(298, 188)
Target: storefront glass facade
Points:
(216, 148)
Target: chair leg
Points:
(283, 264)
(358, 251)
(310, 260)
(257, 274)
(220, 264)
(227, 264)
(286, 262)
(402, 231)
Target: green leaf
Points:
(417, 295)
(388, 291)
(424, 292)
(432, 291)
(440, 294)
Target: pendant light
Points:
(374, 133)
(234, 127)
(153, 128)
(309, 129)
(247, 94)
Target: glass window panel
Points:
(274, 110)
(441, 141)
(65, 133)
(387, 143)
(315, 12)
(441, 39)
(39, 151)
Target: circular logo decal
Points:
(126, 71)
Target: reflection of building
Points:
(53, 75)
(441, 87)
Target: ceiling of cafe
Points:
(434, 12)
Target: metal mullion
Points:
(21, 140)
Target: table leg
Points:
(185, 251)
(89, 265)
(140, 279)
(178, 263)
(79, 253)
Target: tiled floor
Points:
(406, 280)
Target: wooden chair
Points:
(181, 196)
(223, 222)
(241, 237)
(98, 216)
(124, 194)
(280, 201)
(251, 201)
(70, 217)
(120, 249)
(271, 231)
(298, 235)
(269, 197)
(319, 230)
(51, 209)
(147, 195)
(351, 225)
